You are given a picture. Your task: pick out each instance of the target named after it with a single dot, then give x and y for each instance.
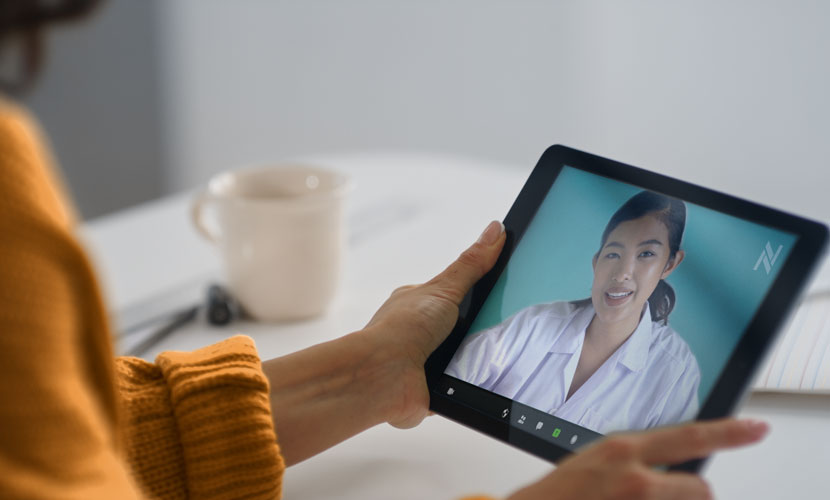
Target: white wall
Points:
(732, 95)
(98, 99)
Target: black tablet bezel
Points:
(756, 340)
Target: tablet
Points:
(623, 300)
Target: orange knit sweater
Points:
(74, 421)
(77, 423)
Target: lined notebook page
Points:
(800, 362)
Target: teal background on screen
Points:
(717, 289)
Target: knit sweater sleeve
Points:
(76, 423)
(59, 416)
(198, 424)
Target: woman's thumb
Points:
(473, 263)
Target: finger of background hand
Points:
(473, 263)
(680, 486)
(678, 444)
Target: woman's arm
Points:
(327, 393)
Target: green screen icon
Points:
(556, 432)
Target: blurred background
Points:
(152, 97)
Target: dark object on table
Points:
(222, 308)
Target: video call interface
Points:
(617, 311)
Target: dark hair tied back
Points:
(661, 302)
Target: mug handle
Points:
(196, 213)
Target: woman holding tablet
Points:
(610, 362)
(76, 422)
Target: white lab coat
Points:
(651, 379)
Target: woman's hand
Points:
(416, 319)
(622, 466)
(332, 391)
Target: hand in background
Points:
(622, 466)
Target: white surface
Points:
(409, 217)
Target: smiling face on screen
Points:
(633, 259)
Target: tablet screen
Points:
(618, 310)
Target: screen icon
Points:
(504, 413)
(556, 432)
(768, 257)
(450, 391)
(538, 426)
(574, 438)
(521, 420)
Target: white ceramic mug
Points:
(281, 232)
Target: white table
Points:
(409, 217)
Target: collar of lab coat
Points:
(633, 352)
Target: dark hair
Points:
(672, 213)
(23, 21)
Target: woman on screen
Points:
(610, 362)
